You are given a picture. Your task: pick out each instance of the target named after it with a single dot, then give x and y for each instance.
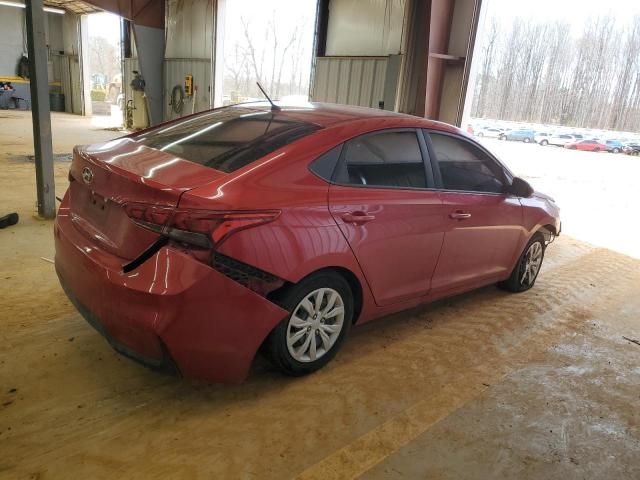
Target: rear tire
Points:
(527, 140)
(544, 143)
(527, 268)
(320, 315)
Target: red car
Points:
(194, 244)
(587, 146)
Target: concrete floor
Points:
(486, 385)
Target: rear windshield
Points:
(229, 138)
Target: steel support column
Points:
(40, 115)
(439, 32)
(413, 77)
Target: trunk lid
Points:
(108, 176)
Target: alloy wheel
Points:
(531, 264)
(315, 325)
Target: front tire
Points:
(544, 143)
(320, 315)
(525, 273)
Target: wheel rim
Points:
(315, 325)
(531, 264)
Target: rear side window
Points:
(325, 164)
(229, 138)
(385, 159)
(465, 167)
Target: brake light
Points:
(200, 228)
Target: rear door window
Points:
(383, 159)
(228, 138)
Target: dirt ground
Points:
(486, 385)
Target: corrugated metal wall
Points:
(71, 83)
(70, 73)
(350, 80)
(174, 73)
(188, 51)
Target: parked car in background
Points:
(191, 247)
(631, 149)
(561, 140)
(519, 135)
(542, 138)
(614, 146)
(490, 132)
(587, 146)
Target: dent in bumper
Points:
(210, 325)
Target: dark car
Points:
(631, 149)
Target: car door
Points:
(483, 224)
(382, 202)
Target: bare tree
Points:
(257, 62)
(539, 72)
(237, 66)
(283, 58)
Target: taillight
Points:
(204, 229)
(200, 232)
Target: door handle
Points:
(459, 215)
(358, 217)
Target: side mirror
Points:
(520, 188)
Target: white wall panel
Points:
(365, 27)
(188, 51)
(174, 73)
(349, 80)
(11, 43)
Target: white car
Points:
(490, 132)
(561, 140)
(542, 138)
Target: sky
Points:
(105, 25)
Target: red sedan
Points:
(193, 244)
(587, 146)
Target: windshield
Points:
(228, 138)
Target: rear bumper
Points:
(171, 313)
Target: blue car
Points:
(614, 146)
(520, 135)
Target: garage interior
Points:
(544, 384)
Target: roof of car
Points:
(327, 114)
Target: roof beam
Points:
(147, 13)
